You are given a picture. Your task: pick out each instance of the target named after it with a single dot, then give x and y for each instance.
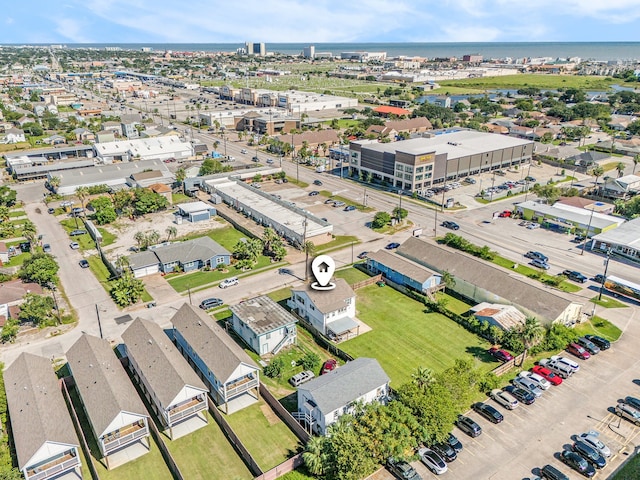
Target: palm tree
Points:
(153, 237)
(636, 160)
(309, 249)
(423, 377)
(531, 333)
(29, 231)
(4, 213)
(448, 279)
(597, 171)
(171, 232)
(82, 193)
(54, 182)
(315, 455)
(140, 238)
(620, 169)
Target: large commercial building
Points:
(419, 163)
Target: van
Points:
(229, 282)
(552, 473)
(208, 303)
(302, 377)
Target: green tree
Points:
(274, 368)
(38, 309)
(400, 213)
(380, 220)
(82, 193)
(448, 279)
(10, 332)
(531, 332)
(423, 377)
(40, 268)
(348, 458)
(181, 174)
(29, 231)
(316, 455)
(210, 166)
(4, 213)
(309, 249)
(126, 290)
(7, 196)
(171, 231)
(620, 169)
(147, 201)
(104, 211)
(309, 361)
(121, 200)
(141, 239)
(597, 172)
(636, 160)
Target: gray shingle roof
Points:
(102, 382)
(143, 259)
(201, 248)
(36, 407)
(329, 300)
(346, 384)
(545, 303)
(262, 315)
(210, 342)
(401, 265)
(165, 369)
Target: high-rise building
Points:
(255, 49)
(309, 52)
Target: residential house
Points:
(84, 135)
(588, 159)
(14, 135)
(404, 272)
(622, 187)
(587, 204)
(162, 189)
(186, 256)
(176, 394)
(620, 122)
(387, 111)
(221, 363)
(4, 253)
(129, 124)
(481, 281)
(117, 416)
(504, 317)
(45, 441)
(323, 400)
(264, 325)
(331, 312)
(12, 294)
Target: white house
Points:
(332, 312)
(324, 399)
(117, 416)
(14, 135)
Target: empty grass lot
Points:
(85, 240)
(267, 438)
(403, 337)
(352, 275)
(206, 454)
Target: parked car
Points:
(314, 193)
(46, 248)
(338, 204)
(505, 399)
(451, 225)
(432, 460)
(255, 159)
(229, 282)
(329, 366)
(539, 264)
(522, 394)
(488, 412)
(446, 451)
(533, 225)
(632, 401)
(243, 151)
(591, 347)
(575, 276)
(208, 303)
(528, 384)
(402, 470)
(589, 453)
(317, 182)
(83, 263)
(529, 178)
(349, 208)
(302, 377)
(75, 233)
(602, 343)
(627, 412)
(533, 254)
(599, 278)
(470, 180)
(505, 214)
(363, 255)
(548, 375)
(578, 351)
(562, 370)
(392, 245)
(566, 361)
(454, 442)
(579, 464)
(591, 437)
(552, 473)
(540, 381)
(500, 354)
(468, 426)
(51, 210)
(328, 201)
(74, 245)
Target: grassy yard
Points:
(543, 82)
(339, 241)
(352, 275)
(267, 438)
(630, 471)
(181, 198)
(403, 337)
(608, 302)
(454, 304)
(85, 240)
(359, 206)
(17, 260)
(17, 213)
(206, 454)
(599, 326)
(99, 269)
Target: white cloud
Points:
(9, 21)
(72, 30)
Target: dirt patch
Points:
(269, 414)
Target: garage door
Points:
(144, 271)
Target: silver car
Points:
(566, 361)
(591, 438)
(529, 385)
(432, 460)
(505, 399)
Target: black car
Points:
(51, 210)
(578, 463)
(317, 182)
(521, 394)
(488, 412)
(633, 401)
(451, 225)
(392, 245)
(599, 278)
(75, 233)
(589, 453)
(314, 193)
(454, 442)
(468, 426)
(575, 276)
(402, 470)
(446, 451)
(83, 264)
(603, 343)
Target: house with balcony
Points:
(118, 418)
(323, 400)
(176, 394)
(45, 441)
(221, 363)
(264, 325)
(331, 312)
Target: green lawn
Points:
(17, 260)
(17, 213)
(352, 275)
(99, 269)
(541, 81)
(298, 183)
(206, 454)
(454, 304)
(85, 241)
(339, 241)
(630, 471)
(608, 302)
(297, 475)
(403, 337)
(565, 285)
(269, 440)
(347, 201)
(181, 198)
(599, 326)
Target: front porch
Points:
(123, 436)
(67, 462)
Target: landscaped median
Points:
(337, 198)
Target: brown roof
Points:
(581, 202)
(329, 300)
(160, 188)
(409, 124)
(14, 290)
(146, 175)
(388, 110)
(3, 247)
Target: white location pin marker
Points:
(322, 268)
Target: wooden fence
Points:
(368, 281)
(506, 366)
(285, 467)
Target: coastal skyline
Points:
(201, 21)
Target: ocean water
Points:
(489, 50)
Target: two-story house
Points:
(331, 312)
(223, 365)
(323, 400)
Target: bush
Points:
(275, 367)
(309, 361)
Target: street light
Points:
(604, 275)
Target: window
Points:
(267, 336)
(408, 168)
(418, 177)
(408, 176)
(399, 166)
(419, 169)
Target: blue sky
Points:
(213, 21)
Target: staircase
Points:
(290, 334)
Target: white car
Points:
(228, 282)
(561, 369)
(505, 399)
(591, 438)
(540, 381)
(566, 361)
(432, 460)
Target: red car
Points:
(500, 354)
(578, 351)
(505, 214)
(547, 374)
(328, 366)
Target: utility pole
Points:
(604, 275)
(99, 324)
(586, 234)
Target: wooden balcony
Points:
(187, 409)
(55, 467)
(124, 436)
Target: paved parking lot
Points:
(532, 436)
